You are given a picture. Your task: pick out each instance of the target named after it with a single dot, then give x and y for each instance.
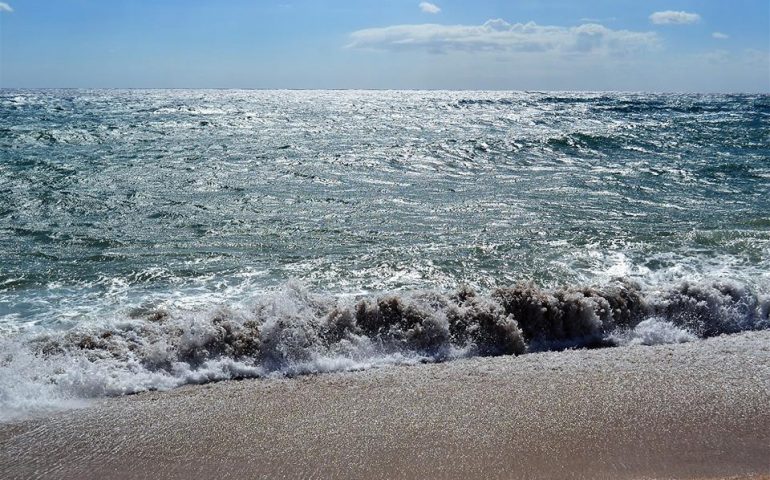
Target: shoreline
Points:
(692, 410)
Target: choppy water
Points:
(154, 238)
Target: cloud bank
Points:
(428, 7)
(671, 17)
(499, 35)
(4, 7)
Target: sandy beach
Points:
(695, 410)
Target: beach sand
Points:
(695, 410)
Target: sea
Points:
(151, 239)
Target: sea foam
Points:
(294, 331)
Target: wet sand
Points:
(697, 410)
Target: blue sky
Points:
(670, 45)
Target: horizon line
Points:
(693, 92)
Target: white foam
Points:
(653, 331)
(294, 332)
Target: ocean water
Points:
(150, 239)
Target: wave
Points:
(580, 141)
(295, 332)
(632, 103)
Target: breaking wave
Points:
(295, 331)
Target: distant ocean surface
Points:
(150, 239)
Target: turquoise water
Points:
(114, 197)
(116, 204)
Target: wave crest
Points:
(295, 332)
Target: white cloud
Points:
(715, 56)
(499, 35)
(598, 20)
(756, 57)
(720, 35)
(672, 17)
(4, 7)
(428, 7)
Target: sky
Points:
(638, 45)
